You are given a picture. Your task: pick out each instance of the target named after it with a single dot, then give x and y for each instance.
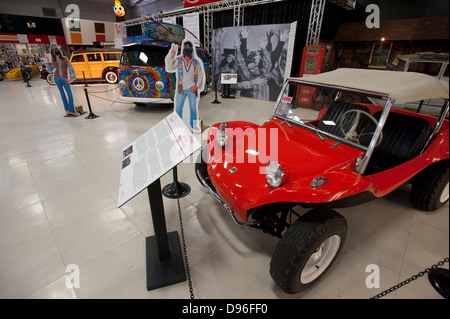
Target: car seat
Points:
(334, 112)
(404, 136)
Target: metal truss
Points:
(238, 11)
(315, 22)
(314, 26)
(208, 31)
(214, 6)
(316, 16)
(207, 10)
(346, 4)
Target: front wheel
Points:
(51, 79)
(308, 249)
(111, 77)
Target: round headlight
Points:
(122, 84)
(159, 85)
(221, 137)
(274, 174)
(221, 134)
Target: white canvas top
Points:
(402, 87)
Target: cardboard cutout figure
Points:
(190, 76)
(64, 74)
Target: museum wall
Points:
(90, 10)
(410, 26)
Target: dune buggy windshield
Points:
(341, 115)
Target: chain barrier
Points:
(115, 88)
(114, 101)
(186, 262)
(102, 98)
(407, 281)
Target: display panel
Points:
(153, 154)
(260, 55)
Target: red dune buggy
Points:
(334, 140)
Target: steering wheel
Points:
(351, 134)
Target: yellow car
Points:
(96, 64)
(17, 72)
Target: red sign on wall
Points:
(193, 3)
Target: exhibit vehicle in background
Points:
(47, 75)
(143, 76)
(3, 70)
(353, 143)
(429, 61)
(30, 71)
(95, 65)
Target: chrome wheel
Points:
(308, 249)
(444, 195)
(111, 77)
(320, 259)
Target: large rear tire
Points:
(308, 249)
(430, 189)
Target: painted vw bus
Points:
(142, 74)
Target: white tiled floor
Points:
(59, 180)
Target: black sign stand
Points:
(163, 253)
(226, 92)
(216, 101)
(84, 78)
(176, 189)
(439, 280)
(91, 114)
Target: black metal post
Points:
(159, 221)
(216, 101)
(84, 78)
(176, 189)
(439, 280)
(227, 89)
(420, 106)
(162, 252)
(91, 114)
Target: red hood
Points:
(301, 154)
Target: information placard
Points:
(228, 78)
(153, 154)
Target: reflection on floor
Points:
(59, 181)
